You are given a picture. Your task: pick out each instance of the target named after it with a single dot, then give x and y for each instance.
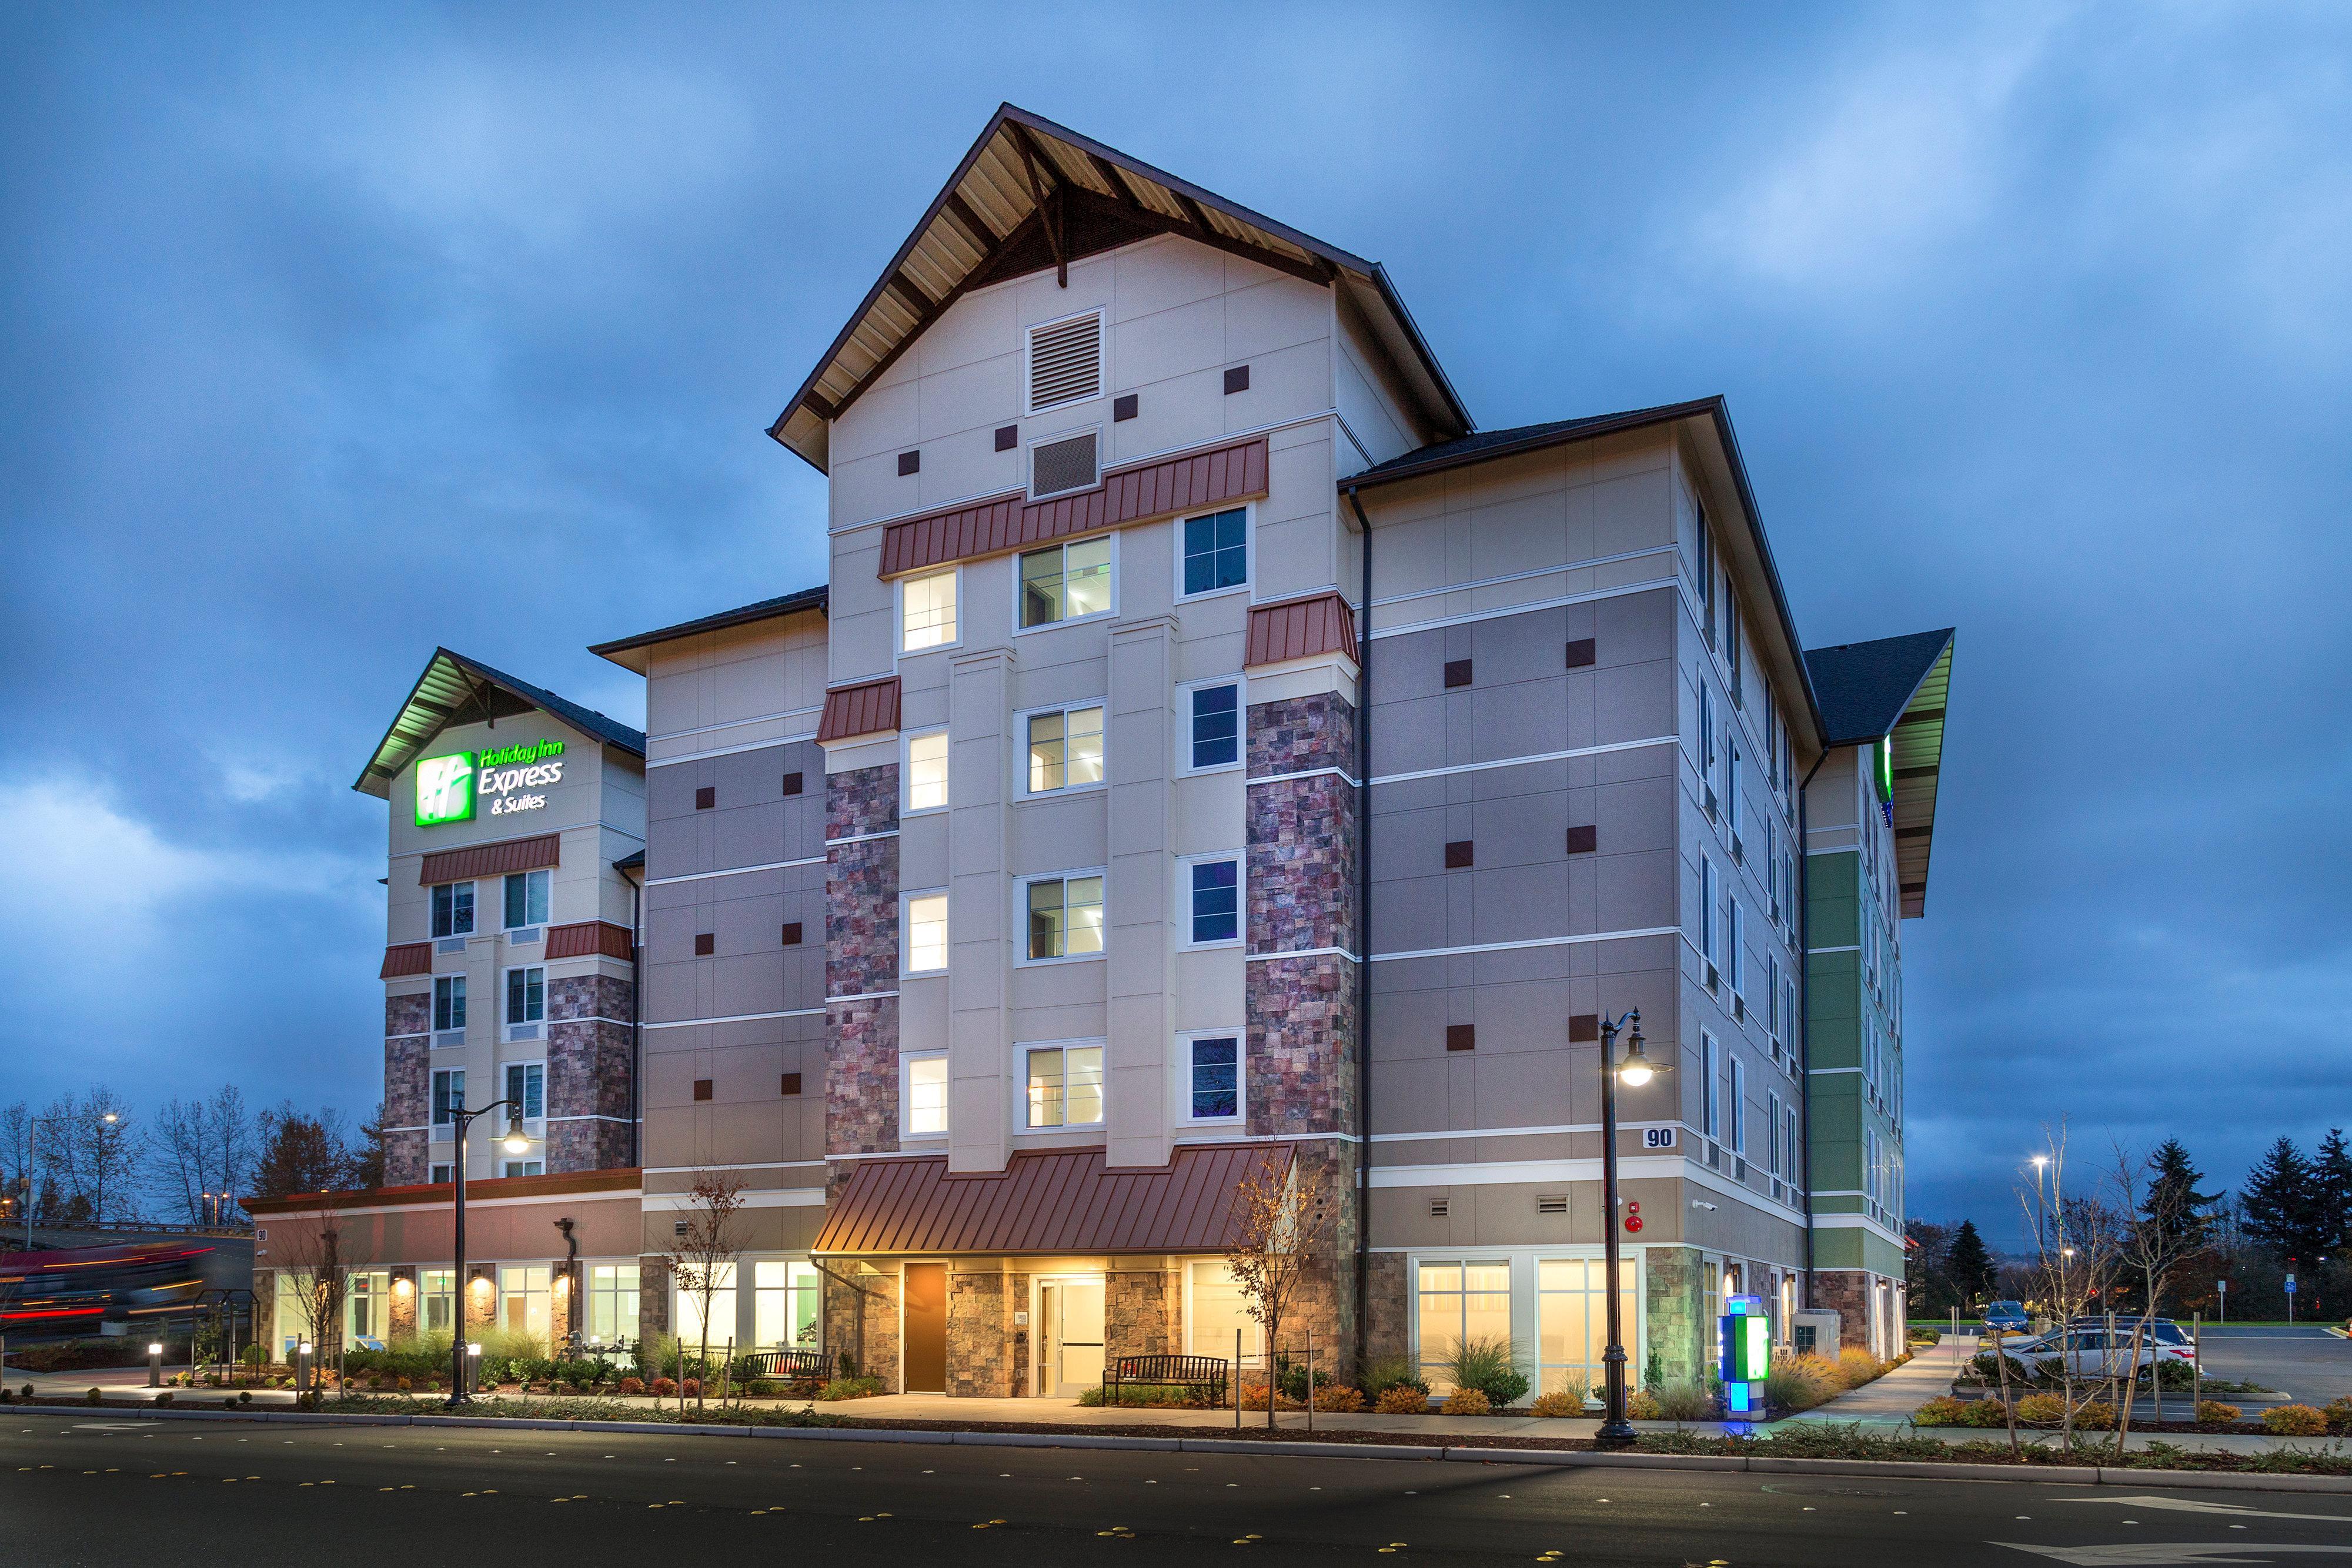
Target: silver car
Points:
(2088, 1353)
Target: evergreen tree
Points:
(2279, 1203)
(2181, 1216)
(2331, 1171)
(1969, 1264)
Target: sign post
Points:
(2221, 1293)
(2290, 1297)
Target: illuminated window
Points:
(690, 1301)
(1572, 1322)
(1066, 748)
(436, 1299)
(1216, 1312)
(1458, 1302)
(927, 1096)
(612, 1315)
(927, 617)
(927, 932)
(787, 1306)
(1064, 582)
(927, 771)
(1065, 916)
(1065, 1086)
(522, 1298)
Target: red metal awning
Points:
(1047, 1201)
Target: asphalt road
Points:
(2309, 1363)
(114, 1492)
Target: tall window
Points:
(927, 1096)
(927, 611)
(688, 1315)
(1216, 726)
(1710, 1089)
(1065, 1086)
(1065, 916)
(1216, 552)
(527, 1086)
(1213, 1069)
(927, 771)
(526, 899)
(448, 1095)
(1731, 648)
(448, 1001)
(1705, 733)
(612, 1302)
(1731, 783)
(927, 932)
(1460, 1302)
(1778, 1131)
(436, 1299)
(1216, 901)
(1066, 748)
(526, 994)
(1705, 574)
(1572, 1320)
(1063, 582)
(453, 909)
(523, 1290)
(1706, 908)
(786, 1306)
(1772, 995)
(1738, 953)
(1738, 1106)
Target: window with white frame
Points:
(523, 1292)
(1705, 572)
(526, 994)
(1065, 582)
(1458, 1301)
(448, 1095)
(1731, 783)
(453, 909)
(1572, 1322)
(926, 1114)
(1065, 916)
(1710, 1086)
(448, 1001)
(612, 1313)
(1213, 1083)
(688, 1315)
(1215, 911)
(522, 1167)
(1738, 1106)
(1780, 1132)
(926, 770)
(527, 1086)
(1216, 552)
(1737, 966)
(1772, 996)
(1707, 909)
(787, 1306)
(1796, 1150)
(437, 1299)
(927, 932)
(927, 611)
(1216, 725)
(1731, 640)
(526, 899)
(1705, 732)
(1066, 748)
(1066, 1085)
(442, 1174)
(1216, 1311)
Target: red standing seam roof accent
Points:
(589, 939)
(408, 959)
(1046, 1201)
(1301, 628)
(490, 860)
(866, 708)
(1230, 472)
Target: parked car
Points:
(2087, 1353)
(2167, 1334)
(2007, 1316)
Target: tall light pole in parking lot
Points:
(514, 1142)
(1616, 1431)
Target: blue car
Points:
(2007, 1316)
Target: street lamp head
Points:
(515, 1143)
(110, 1116)
(2041, 1160)
(1636, 1068)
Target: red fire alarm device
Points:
(1633, 1217)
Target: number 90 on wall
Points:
(1657, 1138)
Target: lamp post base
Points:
(1617, 1434)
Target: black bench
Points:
(1206, 1372)
(784, 1365)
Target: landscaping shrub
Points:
(851, 1388)
(2294, 1421)
(1800, 1384)
(1338, 1400)
(1561, 1402)
(1487, 1364)
(1984, 1413)
(1292, 1379)
(1684, 1402)
(1382, 1373)
(1856, 1367)
(1403, 1399)
(93, 1396)
(2096, 1416)
(633, 1385)
(1642, 1404)
(1946, 1411)
(2339, 1414)
(664, 1387)
(2214, 1410)
(2036, 1409)
(693, 1388)
(762, 1388)
(1469, 1401)
(1165, 1394)
(164, 1397)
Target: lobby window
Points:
(927, 1095)
(448, 1001)
(526, 893)
(688, 1315)
(527, 1085)
(1213, 1069)
(1065, 916)
(1216, 726)
(787, 1306)
(523, 1290)
(1065, 1086)
(1572, 1320)
(437, 1299)
(526, 994)
(1065, 582)
(1216, 552)
(1216, 901)
(1460, 1302)
(448, 1095)
(453, 909)
(927, 932)
(1066, 748)
(611, 1302)
(927, 771)
(1216, 1310)
(927, 614)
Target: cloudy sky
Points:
(323, 340)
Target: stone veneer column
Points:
(1846, 1293)
(588, 1072)
(407, 1086)
(402, 1316)
(1300, 1074)
(861, 960)
(1674, 1307)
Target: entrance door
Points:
(1069, 1335)
(925, 1357)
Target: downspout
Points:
(572, 1273)
(1363, 936)
(1804, 895)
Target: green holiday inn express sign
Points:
(447, 786)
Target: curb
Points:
(2055, 1475)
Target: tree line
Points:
(2155, 1233)
(95, 1160)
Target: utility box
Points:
(1813, 1332)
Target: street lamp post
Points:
(2041, 1242)
(515, 1143)
(1616, 1431)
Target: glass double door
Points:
(1069, 1335)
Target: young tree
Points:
(1970, 1265)
(1282, 1226)
(313, 1254)
(702, 1258)
(2079, 1259)
(16, 1166)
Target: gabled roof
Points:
(817, 599)
(1032, 195)
(1895, 689)
(455, 689)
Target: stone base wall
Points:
(1846, 1293)
(981, 1363)
(653, 1297)
(1674, 1308)
(402, 1316)
(1388, 1306)
(264, 1310)
(878, 1293)
(1143, 1311)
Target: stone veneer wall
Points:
(588, 1089)
(861, 959)
(981, 1330)
(653, 1296)
(880, 1295)
(402, 1317)
(1674, 1305)
(1846, 1293)
(1388, 1306)
(407, 1086)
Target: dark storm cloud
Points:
(328, 341)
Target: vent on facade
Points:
(793, 784)
(1711, 807)
(1236, 380)
(1581, 653)
(1711, 977)
(1460, 852)
(792, 1083)
(706, 798)
(450, 944)
(522, 1031)
(1457, 673)
(910, 462)
(1008, 436)
(1124, 406)
(1739, 850)
(1439, 1208)
(705, 942)
(448, 1039)
(1058, 467)
(1064, 362)
(1461, 1037)
(702, 1089)
(1583, 1027)
(1551, 1203)
(792, 934)
(677, 1227)
(527, 934)
(1583, 840)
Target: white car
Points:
(2089, 1352)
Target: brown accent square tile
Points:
(1461, 1037)
(1583, 840)
(1581, 652)
(1458, 854)
(705, 942)
(1457, 673)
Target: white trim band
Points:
(740, 1017)
(734, 870)
(1530, 943)
(1524, 761)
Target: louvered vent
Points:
(1064, 363)
(1551, 1203)
(1057, 467)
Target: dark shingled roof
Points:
(817, 599)
(1488, 443)
(455, 689)
(1864, 686)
